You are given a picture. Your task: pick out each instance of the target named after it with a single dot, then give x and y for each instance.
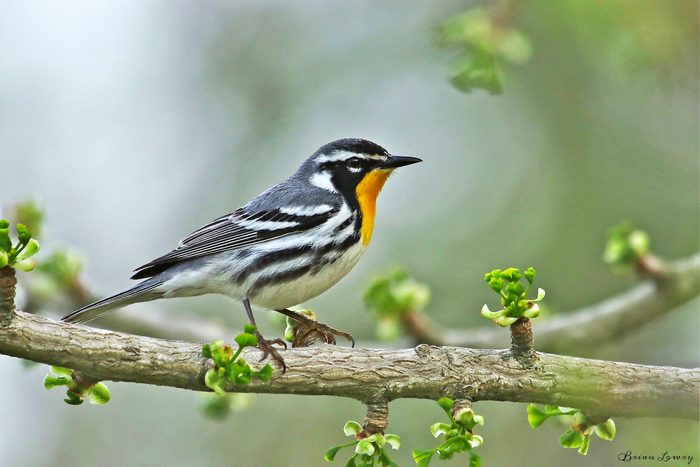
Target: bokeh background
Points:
(135, 122)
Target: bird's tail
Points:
(142, 292)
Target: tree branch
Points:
(597, 387)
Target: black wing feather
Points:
(226, 234)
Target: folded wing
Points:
(237, 230)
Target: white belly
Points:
(301, 289)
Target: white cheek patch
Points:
(323, 180)
(355, 169)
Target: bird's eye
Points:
(354, 163)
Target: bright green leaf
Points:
(571, 439)
(446, 404)
(364, 447)
(439, 429)
(585, 442)
(265, 373)
(51, 382)
(606, 430)
(30, 250)
(394, 441)
(352, 428)
(99, 394)
(422, 457)
(246, 340)
(26, 265)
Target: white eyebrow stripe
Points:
(323, 180)
(345, 155)
(305, 211)
(339, 156)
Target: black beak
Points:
(399, 161)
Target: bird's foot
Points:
(308, 329)
(268, 350)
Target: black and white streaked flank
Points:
(289, 244)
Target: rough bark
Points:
(370, 375)
(7, 295)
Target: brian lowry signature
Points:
(629, 456)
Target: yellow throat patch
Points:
(366, 192)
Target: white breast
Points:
(299, 290)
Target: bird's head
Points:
(356, 169)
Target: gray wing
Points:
(236, 230)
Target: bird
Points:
(287, 245)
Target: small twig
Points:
(521, 340)
(460, 405)
(8, 283)
(376, 420)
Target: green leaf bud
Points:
(206, 351)
(606, 430)
(332, 452)
(512, 274)
(422, 457)
(540, 295)
(352, 428)
(265, 373)
(72, 399)
(505, 321)
(440, 429)
(487, 313)
(532, 312)
(23, 234)
(246, 340)
(242, 379)
(4, 260)
(394, 441)
(571, 439)
(250, 328)
(535, 416)
(4, 224)
(51, 382)
(365, 447)
(496, 283)
(476, 441)
(530, 274)
(99, 394)
(515, 288)
(30, 250)
(26, 265)
(585, 442)
(639, 242)
(446, 404)
(213, 381)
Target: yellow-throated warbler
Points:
(289, 244)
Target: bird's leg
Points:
(263, 344)
(308, 325)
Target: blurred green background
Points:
(133, 123)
